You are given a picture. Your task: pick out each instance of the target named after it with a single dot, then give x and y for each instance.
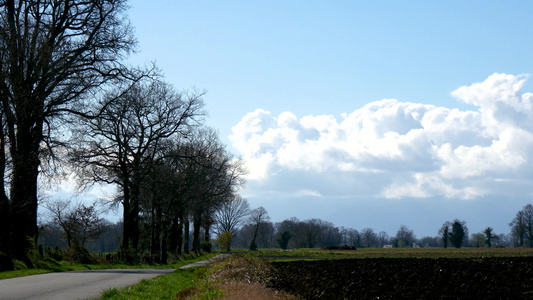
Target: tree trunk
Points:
(445, 238)
(163, 247)
(179, 237)
(174, 242)
(156, 235)
(252, 243)
(25, 159)
(530, 232)
(186, 236)
(5, 233)
(196, 233)
(126, 226)
(130, 235)
(134, 215)
(5, 228)
(207, 238)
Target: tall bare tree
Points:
(522, 225)
(257, 217)
(210, 175)
(122, 144)
(53, 56)
(231, 214)
(369, 237)
(405, 237)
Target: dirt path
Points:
(205, 262)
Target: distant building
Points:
(387, 246)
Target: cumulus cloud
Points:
(397, 149)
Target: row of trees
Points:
(70, 104)
(55, 58)
(170, 171)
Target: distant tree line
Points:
(316, 233)
(235, 223)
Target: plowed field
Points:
(407, 278)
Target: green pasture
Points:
(319, 254)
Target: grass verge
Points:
(162, 287)
(50, 265)
(236, 277)
(240, 276)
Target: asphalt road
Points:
(74, 284)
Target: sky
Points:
(362, 113)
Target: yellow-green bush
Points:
(224, 241)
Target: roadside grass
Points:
(50, 265)
(162, 287)
(240, 276)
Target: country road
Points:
(74, 284)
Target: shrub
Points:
(224, 241)
(253, 246)
(77, 253)
(19, 265)
(206, 246)
(283, 240)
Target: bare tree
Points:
(477, 240)
(405, 237)
(53, 57)
(354, 237)
(120, 146)
(369, 237)
(231, 214)
(522, 225)
(383, 238)
(79, 223)
(214, 176)
(257, 216)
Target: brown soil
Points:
(407, 278)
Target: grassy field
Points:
(318, 254)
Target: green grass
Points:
(317, 254)
(162, 287)
(49, 266)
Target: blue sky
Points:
(296, 89)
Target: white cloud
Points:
(397, 149)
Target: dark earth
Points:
(407, 278)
